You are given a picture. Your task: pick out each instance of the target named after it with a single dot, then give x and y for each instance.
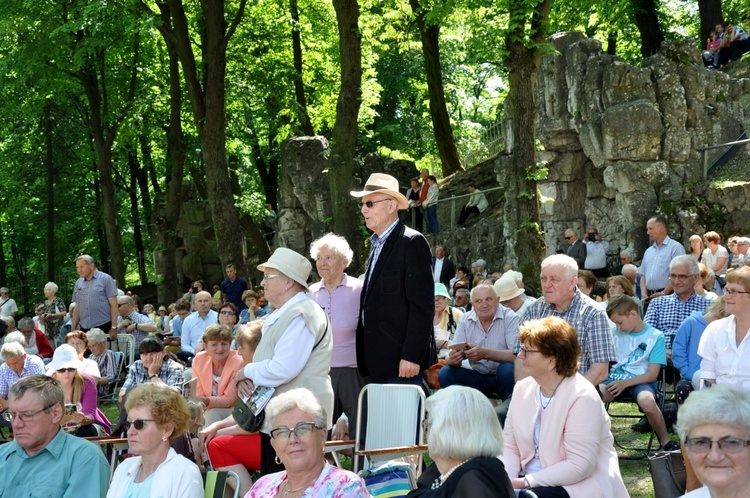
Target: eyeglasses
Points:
(568, 238)
(230, 313)
(24, 417)
(267, 277)
(674, 276)
(370, 204)
(61, 370)
(138, 423)
(727, 444)
(524, 350)
(732, 292)
(301, 430)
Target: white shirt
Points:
(723, 360)
(289, 355)
(437, 269)
(193, 328)
(596, 255)
(8, 307)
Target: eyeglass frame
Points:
(370, 204)
(675, 276)
(732, 292)
(268, 277)
(308, 426)
(9, 416)
(523, 350)
(690, 444)
(135, 423)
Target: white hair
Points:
(16, 336)
(564, 261)
(450, 436)
(52, 286)
(629, 267)
(337, 244)
(723, 404)
(688, 260)
(300, 398)
(12, 350)
(483, 286)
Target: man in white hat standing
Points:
(397, 302)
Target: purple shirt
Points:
(342, 308)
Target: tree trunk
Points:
(166, 227)
(148, 163)
(644, 12)
(299, 85)
(441, 121)
(103, 140)
(101, 235)
(612, 43)
(710, 14)
(51, 249)
(252, 229)
(3, 264)
(341, 171)
(136, 215)
(522, 228)
(208, 106)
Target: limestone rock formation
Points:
(619, 140)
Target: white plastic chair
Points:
(393, 425)
(125, 343)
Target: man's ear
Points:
(57, 412)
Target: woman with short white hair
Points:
(715, 428)
(104, 358)
(53, 312)
(466, 458)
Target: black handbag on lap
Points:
(668, 474)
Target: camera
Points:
(592, 237)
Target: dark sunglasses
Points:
(138, 424)
(61, 370)
(370, 204)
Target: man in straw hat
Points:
(295, 349)
(397, 303)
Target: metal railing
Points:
(453, 200)
(491, 144)
(729, 146)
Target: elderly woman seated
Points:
(557, 435)
(105, 359)
(715, 428)
(296, 422)
(465, 457)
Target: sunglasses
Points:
(138, 423)
(61, 370)
(370, 204)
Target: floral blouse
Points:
(332, 483)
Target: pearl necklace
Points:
(444, 477)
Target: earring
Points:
(164, 438)
(277, 460)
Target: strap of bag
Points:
(673, 472)
(321, 337)
(451, 323)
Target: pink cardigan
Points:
(576, 447)
(203, 369)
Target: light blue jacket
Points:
(685, 348)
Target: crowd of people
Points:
(726, 43)
(533, 370)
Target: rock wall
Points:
(620, 140)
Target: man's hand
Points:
(407, 369)
(340, 430)
(475, 353)
(245, 388)
(616, 388)
(113, 333)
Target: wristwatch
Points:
(150, 377)
(526, 484)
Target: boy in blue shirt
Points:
(640, 356)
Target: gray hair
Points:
(462, 290)
(723, 404)
(4, 289)
(125, 299)
(52, 286)
(564, 261)
(483, 286)
(9, 320)
(25, 322)
(629, 267)
(49, 389)
(12, 350)
(449, 435)
(743, 240)
(15, 337)
(627, 253)
(88, 259)
(686, 259)
(482, 263)
(300, 398)
(336, 243)
(96, 335)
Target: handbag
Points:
(668, 474)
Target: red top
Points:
(45, 350)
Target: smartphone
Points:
(459, 346)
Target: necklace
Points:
(544, 407)
(288, 491)
(444, 477)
